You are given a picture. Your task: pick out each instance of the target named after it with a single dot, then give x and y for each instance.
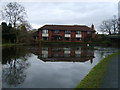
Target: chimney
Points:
(93, 31)
(92, 27)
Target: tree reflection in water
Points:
(14, 65)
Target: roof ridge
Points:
(63, 25)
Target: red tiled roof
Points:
(66, 27)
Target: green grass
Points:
(11, 44)
(95, 43)
(61, 43)
(95, 77)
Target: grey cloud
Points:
(41, 13)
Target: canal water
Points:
(49, 67)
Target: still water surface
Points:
(48, 67)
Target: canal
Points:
(49, 67)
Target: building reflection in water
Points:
(71, 54)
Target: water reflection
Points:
(40, 66)
(69, 54)
(14, 60)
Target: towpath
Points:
(111, 76)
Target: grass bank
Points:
(61, 43)
(95, 77)
(96, 43)
(11, 44)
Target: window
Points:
(56, 49)
(45, 38)
(88, 52)
(67, 49)
(45, 49)
(77, 55)
(56, 31)
(78, 39)
(67, 55)
(67, 32)
(88, 32)
(67, 38)
(44, 55)
(45, 31)
(78, 32)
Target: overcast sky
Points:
(69, 13)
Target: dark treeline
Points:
(15, 35)
(107, 40)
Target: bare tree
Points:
(109, 26)
(114, 23)
(13, 13)
(118, 26)
(24, 24)
(27, 25)
(106, 26)
(118, 18)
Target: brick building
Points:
(66, 33)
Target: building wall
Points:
(84, 34)
(62, 33)
(40, 35)
(50, 35)
(72, 52)
(72, 36)
(50, 52)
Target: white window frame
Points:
(78, 35)
(67, 35)
(45, 31)
(78, 32)
(44, 35)
(67, 32)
